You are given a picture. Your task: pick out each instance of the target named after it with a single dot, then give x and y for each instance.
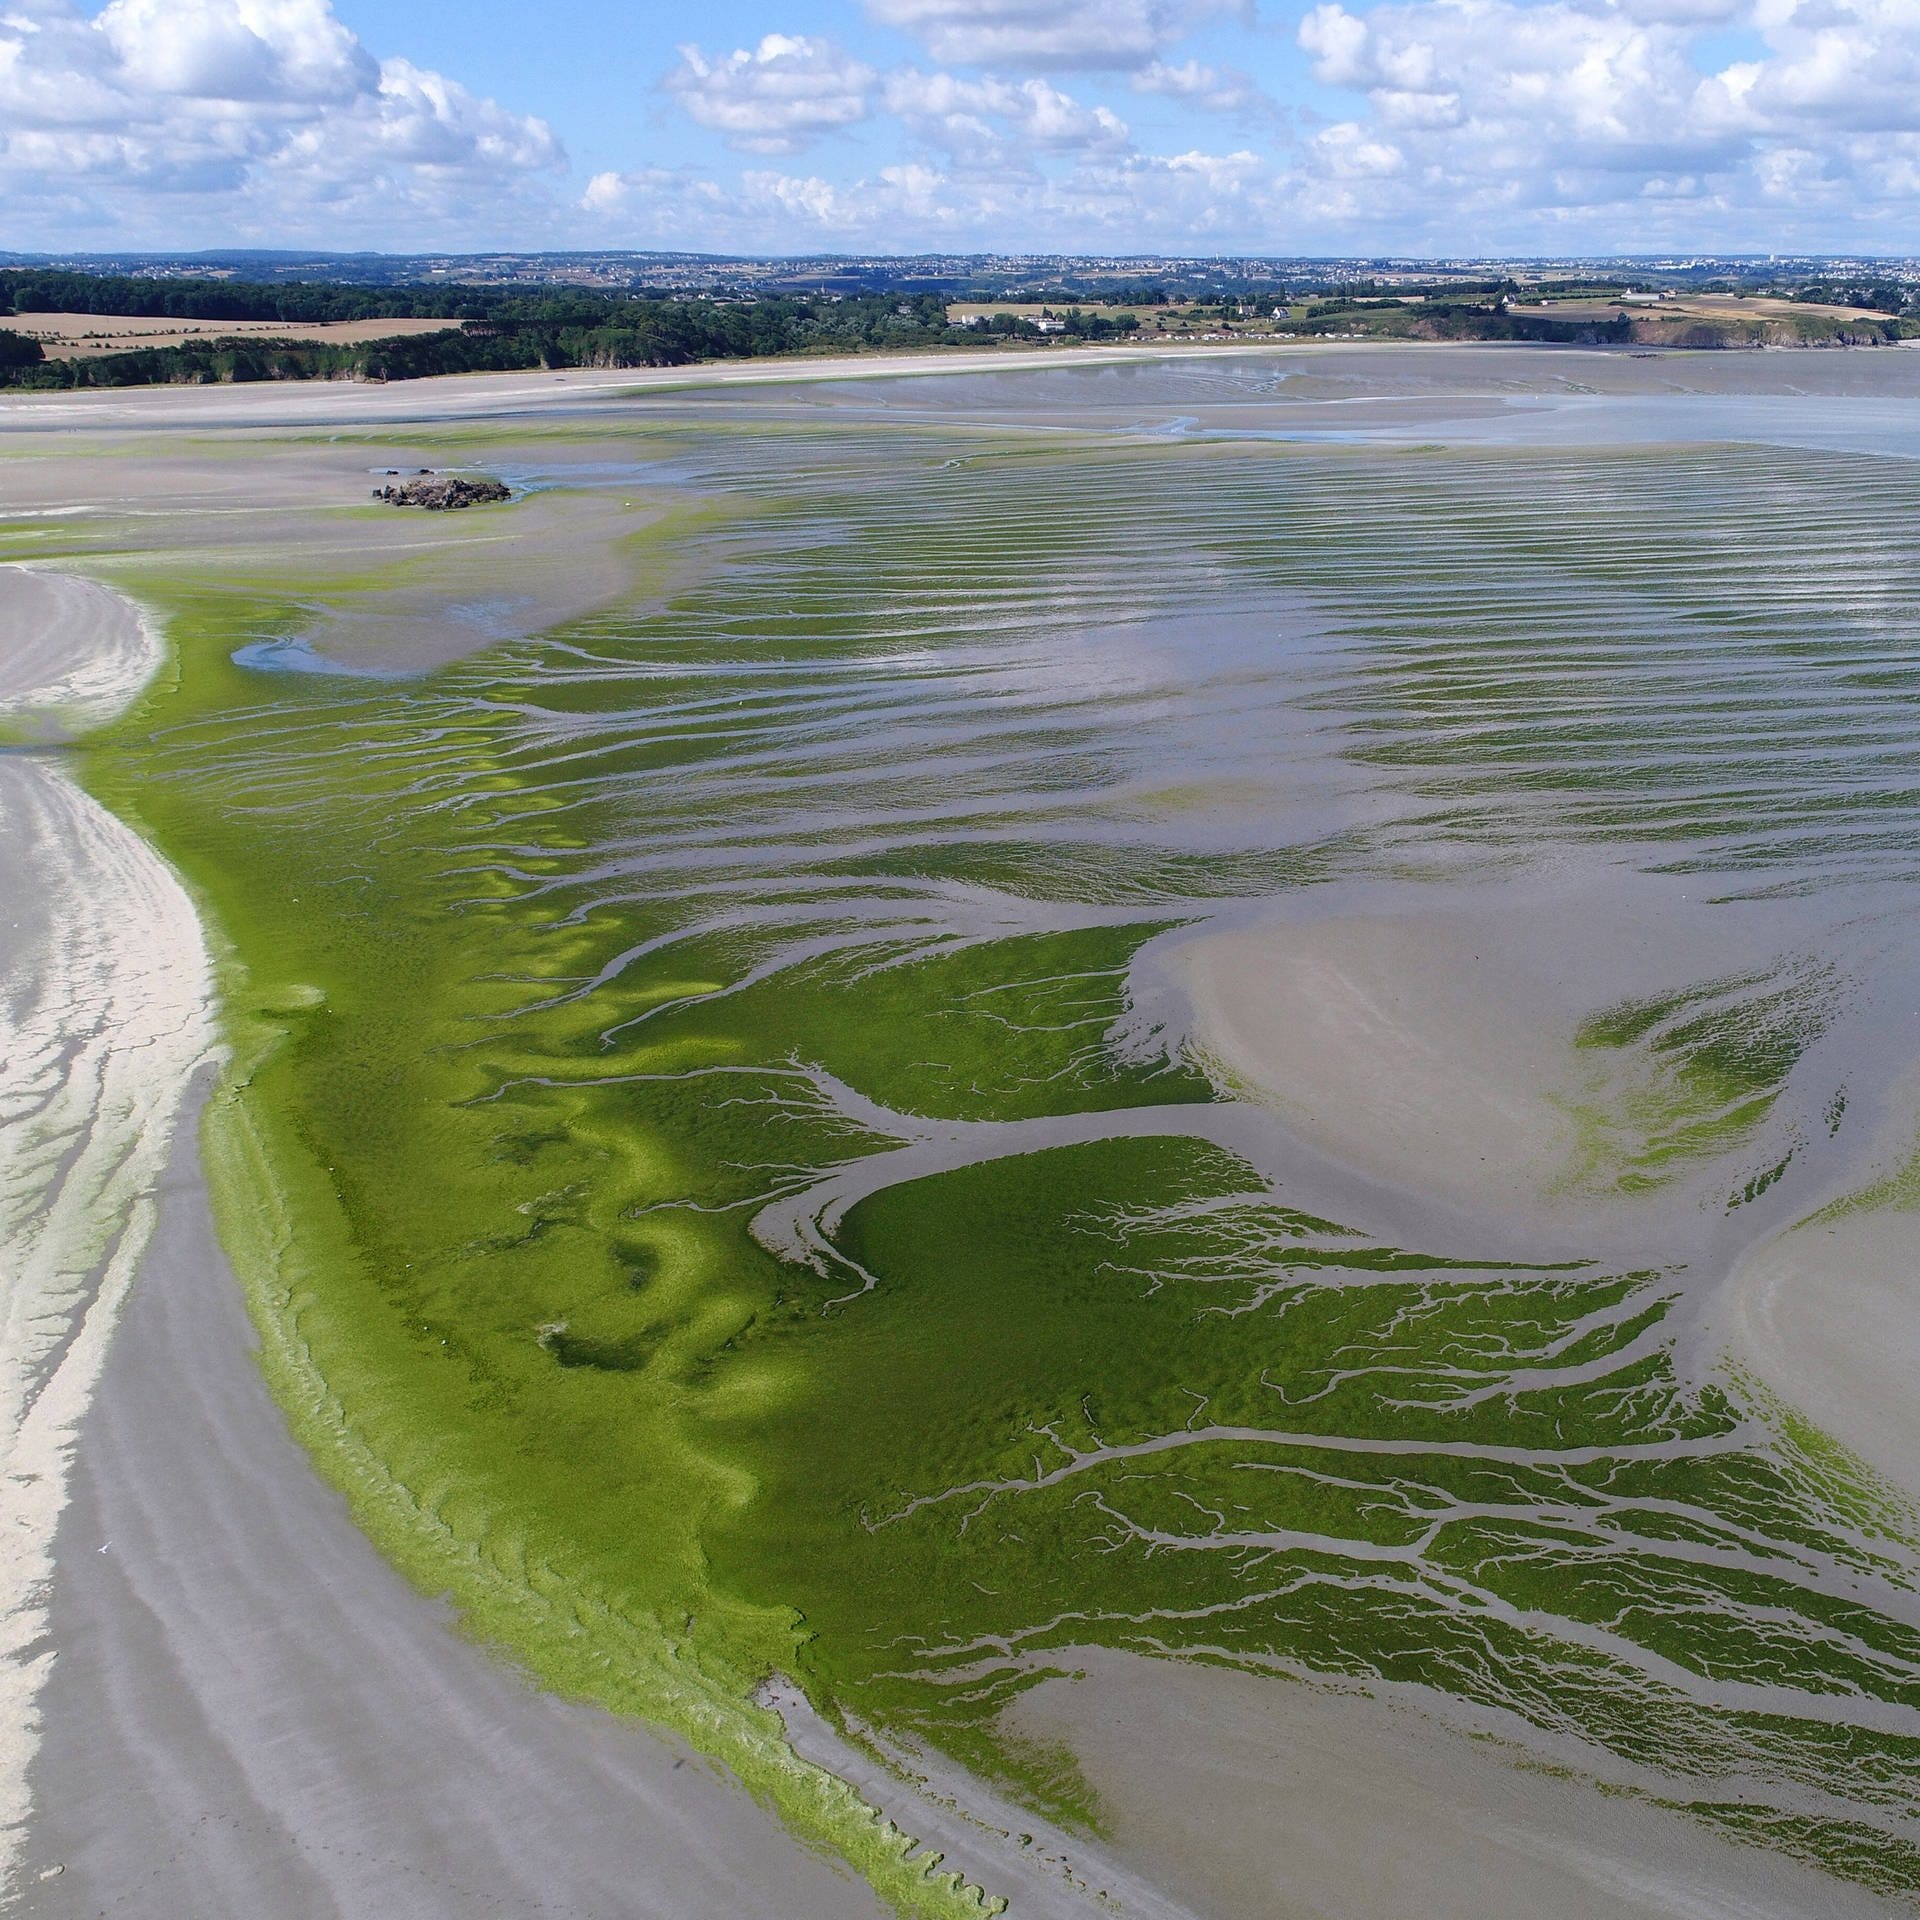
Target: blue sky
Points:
(1429, 127)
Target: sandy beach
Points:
(1438, 1049)
(105, 1014)
(1827, 1316)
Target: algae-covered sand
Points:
(896, 1040)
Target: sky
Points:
(1431, 128)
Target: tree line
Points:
(490, 329)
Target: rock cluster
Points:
(437, 494)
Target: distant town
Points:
(989, 276)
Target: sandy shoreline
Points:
(105, 1014)
(1494, 370)
(218, 1700)
(252, 1714)
(1827, 1316)
(1436, 1049)
(72, 652)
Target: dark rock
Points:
(438, 495)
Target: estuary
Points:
(1147, 1132)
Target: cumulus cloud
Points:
(1602, 115)
(989, 120)
(269, 113)
(266, 52)
(776, 97)
(1046, 34)
(1213, 89)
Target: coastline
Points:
(253, 1712)
(480, 395)
(106, 1014)
(202, 1528)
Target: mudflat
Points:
(1244, 1794)
(1314, 917)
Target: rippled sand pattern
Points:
(752, 1086)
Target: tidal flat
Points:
(1016, 1097)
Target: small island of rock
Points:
(438, 494)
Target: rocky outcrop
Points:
(438, 494)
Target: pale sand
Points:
(1409, 1048)
(1351, 375)
(72, 652)
(1828, 1317)
(105, 1013)
(385, 588)
(496, 575)
(483, 395)
(1434, 1050)
(1244, 1795)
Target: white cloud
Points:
(1046, 34)
(775, 97)
(991, 120)
(1349, 152)
(1541, 120)
(1213, 89)
(259, 51)
(268, 113)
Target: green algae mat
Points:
(727, 1190)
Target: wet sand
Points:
(372, 589)
(71, 651)
(1435, 1048)
(1285, 386)
(250, 1714)
(105, 1014)
(1828, 1317)
(1244, 1795)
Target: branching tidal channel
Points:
(753, 1198)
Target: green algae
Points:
(1689, 1075)
(547, 973)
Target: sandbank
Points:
(72, 652)
(1434, 1048)
(1243, 1794)
(1395, 393)
(376, 589)
(105, 1013)
(1828, 1317)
